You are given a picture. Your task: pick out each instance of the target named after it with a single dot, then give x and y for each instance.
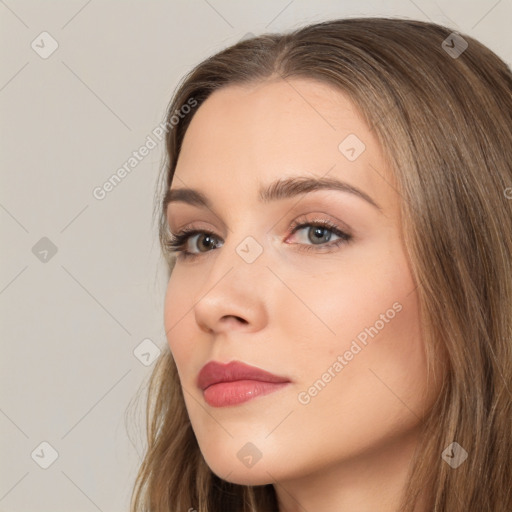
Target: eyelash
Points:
(179, 240)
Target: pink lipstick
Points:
(234, 383)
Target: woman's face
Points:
(337, 318)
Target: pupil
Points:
(321, 234)
(206, 241)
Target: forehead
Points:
(247, 135)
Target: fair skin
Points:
(293, 311)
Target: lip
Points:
(236, 382)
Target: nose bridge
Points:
(246, 241)
(236, 284)
(241, 259)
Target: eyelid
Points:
(340, 229)
(300, 219)
(321, 218)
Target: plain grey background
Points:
(81, 280)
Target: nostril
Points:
(235, 318)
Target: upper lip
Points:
(214, 372)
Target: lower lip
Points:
(225, 394)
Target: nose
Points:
(235, 295)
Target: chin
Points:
(237, 474)
(242, 472)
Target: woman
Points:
(336, 214)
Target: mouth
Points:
(236, 383)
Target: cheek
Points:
(360, 344)
(178, 312)
(364, 384)
(368, 302)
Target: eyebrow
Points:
(280, 189)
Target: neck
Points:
(369, 482)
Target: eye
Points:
(317, 233)
(192, 243)
(198, 239)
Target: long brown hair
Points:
(443, 115)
